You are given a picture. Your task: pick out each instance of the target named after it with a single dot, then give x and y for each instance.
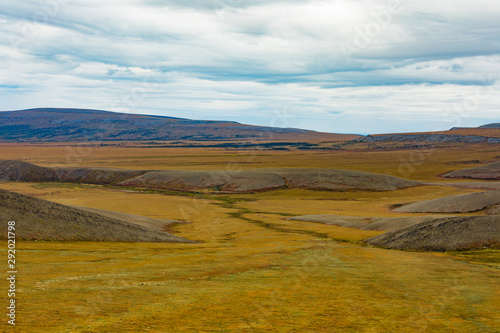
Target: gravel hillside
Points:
(487, 172)
(268, 179)
(38, 219)
(444, 234)
(461, 203)
(211, 180)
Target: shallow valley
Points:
(251, 268)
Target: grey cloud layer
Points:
(325, 60)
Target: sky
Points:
(343, 66)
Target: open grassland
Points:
(326, 287)
(252, 270)
(304, 202)
(418, 164)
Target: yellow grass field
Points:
(418, 164)
(251, 270)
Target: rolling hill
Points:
(444, 234)
(489, 133)
(460, 203)
(221, 181)
(493, 125)
(38, 219)
(488, 172)
(423, 233)
(65, 125)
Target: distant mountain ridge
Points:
(493, 125)
(489, 133)
(65, 125)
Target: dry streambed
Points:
(428, 233)
(46, 220)
(432, 232)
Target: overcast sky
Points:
(349, 66)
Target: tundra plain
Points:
(251, 268)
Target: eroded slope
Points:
(38, 219)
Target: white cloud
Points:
(244, 60)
